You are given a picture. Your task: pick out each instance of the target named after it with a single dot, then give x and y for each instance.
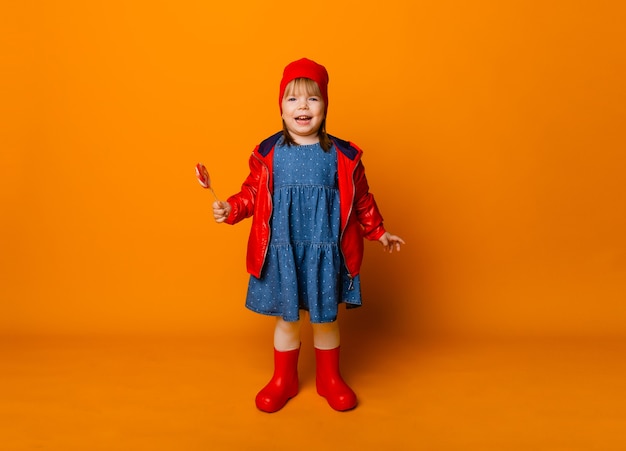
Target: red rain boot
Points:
(284, 382)
(330, 385)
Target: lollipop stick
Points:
(214, 195)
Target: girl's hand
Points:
(389, 241)
(221, 210)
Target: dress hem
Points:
(349, 306)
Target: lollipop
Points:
(204, 179)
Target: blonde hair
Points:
(312, 89)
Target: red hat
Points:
(305, 68)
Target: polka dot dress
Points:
(304, 267)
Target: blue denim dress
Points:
(304, 268)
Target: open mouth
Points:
(303, 118)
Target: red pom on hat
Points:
(305, 68)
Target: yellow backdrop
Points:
(494, 144)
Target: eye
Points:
(314, 99)
(291, 99)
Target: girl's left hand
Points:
(389, 241)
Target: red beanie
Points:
(305, 68)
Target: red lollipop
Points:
(204, 179)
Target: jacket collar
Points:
(345, 147)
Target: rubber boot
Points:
(284, 382)
(329, 382)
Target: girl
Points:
(310, 203)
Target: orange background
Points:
(494, 142)
(493, 136)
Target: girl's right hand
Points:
(221, 210)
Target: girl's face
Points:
(303, 113)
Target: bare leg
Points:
(326, 335)
(286, 335)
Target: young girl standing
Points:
(311, 208)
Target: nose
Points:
(303, 104)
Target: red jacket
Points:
(359, 214)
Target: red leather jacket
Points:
(359, 214)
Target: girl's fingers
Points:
(220, 211)
(394, 241)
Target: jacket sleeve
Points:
(365, 206)
(242, 203)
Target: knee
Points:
(325, 328)
(287, 327)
